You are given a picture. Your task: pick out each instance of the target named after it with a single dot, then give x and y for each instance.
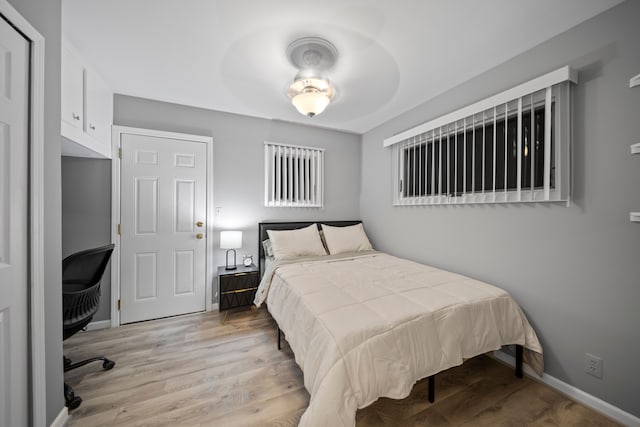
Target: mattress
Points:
(370, 325)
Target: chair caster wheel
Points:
(71, 401)
(74, 403)
(108, 364)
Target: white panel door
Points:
(14, 320)
(163, 210)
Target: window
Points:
(512, 147)
(294, 176)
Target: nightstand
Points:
(237, 288)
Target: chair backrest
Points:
(81, 275)
(84, 269)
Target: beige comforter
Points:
(371, 325)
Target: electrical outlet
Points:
(593, 365)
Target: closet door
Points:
(14, 214)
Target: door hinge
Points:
(119, 153)
(119, 305)
(119, 230)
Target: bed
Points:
(364, 324)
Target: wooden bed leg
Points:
(279, 333)
(519, 351)
(432, 388)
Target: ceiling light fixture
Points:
(311, 96)
(310, 93)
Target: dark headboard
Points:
(273, 225)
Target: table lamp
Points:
(230, 240)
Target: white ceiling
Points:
(229, 55)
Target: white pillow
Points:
(287, 244)
(268, 251)
(346, 239)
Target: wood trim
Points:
(38, 347)
(554, 77)
(210, 221)
(115, 225)
(583, 397)
(99, 324)
(62, 418)
(160, 133)
(36, 211)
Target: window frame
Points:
(293, 175)
(551, 92)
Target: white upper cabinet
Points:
(99, 111)
(87, 108)
(72, 90)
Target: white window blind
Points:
(294, 176)
(511, 147)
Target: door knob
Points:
(199, 236)
(199, 223)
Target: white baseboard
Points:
(587, 399)
(61, 419)
(106, 324)
(99, 324)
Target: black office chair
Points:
(81, 276)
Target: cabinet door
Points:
(72, 89)
(99, 108)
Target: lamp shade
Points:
(311, 95)
(310, 103)
(230, 239)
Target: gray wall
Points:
(239, 163)
(584, 297)
(45, 17)
(574, 270)
(86, 214)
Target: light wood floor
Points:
(200, 371)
